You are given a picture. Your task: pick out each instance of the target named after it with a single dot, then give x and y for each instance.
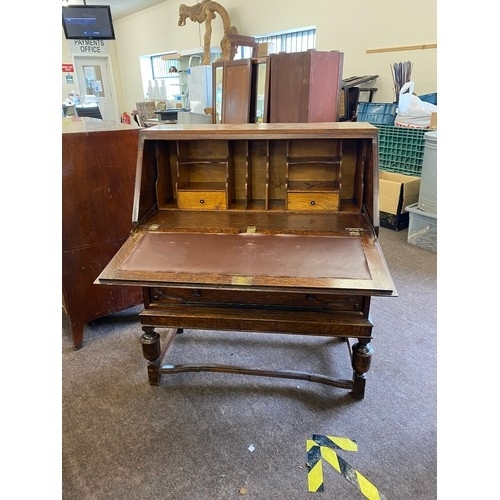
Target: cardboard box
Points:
(396, 191)
(265, 49)
(434, 121)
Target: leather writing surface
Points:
(248, 254)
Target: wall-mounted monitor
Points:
(88, 22)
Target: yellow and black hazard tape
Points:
(335, 442)
(314, 467)
(322, 448)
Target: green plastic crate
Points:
(401, 149)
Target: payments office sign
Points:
(88, 47)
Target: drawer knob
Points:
(313, 202)
(202, 201)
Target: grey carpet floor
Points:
(222, 436)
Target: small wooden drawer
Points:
(313, 201)
(202, 200)
(321, 303)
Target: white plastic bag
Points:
(412, 112)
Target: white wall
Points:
(351, 26)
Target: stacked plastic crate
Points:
(408, 151)
(400, 149)
(400, 156)
(423, 215)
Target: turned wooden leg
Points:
(77, 333)
(151, 350)
(362, 353)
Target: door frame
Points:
(106, 59)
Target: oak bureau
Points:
(268, 228)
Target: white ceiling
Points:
(122, 8)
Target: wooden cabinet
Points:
(305, 86)
(98, 175)
(296, 87)
(256, 227)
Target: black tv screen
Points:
(88, 22)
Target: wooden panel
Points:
(303, 300)
(98, 171)
(236, 98)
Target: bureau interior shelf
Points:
(313, 170)
(265, 222)
(300, 186)
(257, 174)
(203, 174)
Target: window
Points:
(163, 66)
(160, 77)
(285, 41)
(292, 41)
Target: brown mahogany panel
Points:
(98, 175)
